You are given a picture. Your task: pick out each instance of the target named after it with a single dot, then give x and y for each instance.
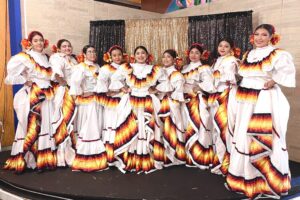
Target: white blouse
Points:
(22, 67)
(224, 70)
(62, 65)
(127, 72)
(171, 81)
(276, 64)
(84, 79)
(198, 74)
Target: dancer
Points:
(170, 90)
(34, 146)
(259, 164)
(198, 82)
(62, 63)
(137, 121)
(224, 71)
(90, 150)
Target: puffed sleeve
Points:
(57, 63)
(76, 80)
(103, 80)
(16, 70)
(230, 70)
(177, 82)
(206, 78)
(284, 71)
(118, 78)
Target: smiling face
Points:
(117, 56)
(90, 54)
(37, 43)
(194, 55)
(262, 37)
(224, 48)
(140, 56)
(168, 60)
(66, 48)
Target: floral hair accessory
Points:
(80, 58)
(26, 44)
(54, 48)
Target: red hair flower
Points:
(178, 63)
(25, 43)
(46, 43)
(126, 58)
(251, 39)
(107, 58)
(150, 58)
(205, 55)
(132, 59)
(80, 58)
(275, 38)
(54, 48)
(236, 52)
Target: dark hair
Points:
(85, 48)
(196, 46)
(172, 52)
(270, 28)
(59, 42)
(141, 47)
(216, 54)
(115, 47)
(34, 33)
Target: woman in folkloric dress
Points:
(224, 71)
(170, 92)
(33, 146)
(62, 63)
(137, 119)
(114, 57)
(198, 82)
(259, 164)
(90, 150)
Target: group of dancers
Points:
(229, 117)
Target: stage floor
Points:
(176, 183)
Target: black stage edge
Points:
(176, 183)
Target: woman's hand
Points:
(126, 89)
(152, 90)
(60, 80)
(269, 84)
(28, 83)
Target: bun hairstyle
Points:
(275, 38)
(178, 60)
(204, 53)
(149, 59)
(107, 56)
(27, 43)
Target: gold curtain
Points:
(157, 35)
(6, 94)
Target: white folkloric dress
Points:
(137, 118)
(259, 164)
(170, 89)
(64, 109)
(110, 111)
(90, 150)
(34, 145)
(224, 71)
(199, 144)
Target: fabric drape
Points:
(104, 34)
(157, 35)
(209, 29)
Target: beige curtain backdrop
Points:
(6, 95)
(157, 35)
